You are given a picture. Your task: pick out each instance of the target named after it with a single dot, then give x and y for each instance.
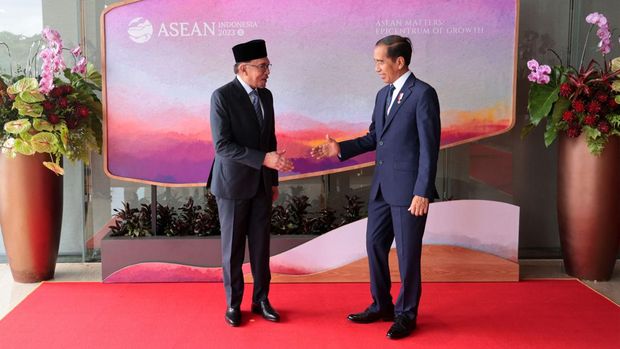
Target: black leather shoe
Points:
(233, 317)
(368, 316)
(266, 310)
(402, 327)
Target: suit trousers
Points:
(239, 219)
(386, 223)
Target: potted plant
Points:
(580, 107)
(190, 234)
(46, 115)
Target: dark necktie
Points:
(388, 100)
(257, 108)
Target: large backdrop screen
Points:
(164, 58)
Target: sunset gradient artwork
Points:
(164, 58)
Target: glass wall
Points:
(503, 168)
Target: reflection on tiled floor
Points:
(552, 268)
(11, 293)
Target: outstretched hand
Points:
(328, 149)
(277, 161)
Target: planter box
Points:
(205, 251)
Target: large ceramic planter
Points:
(30, 216)
(589, 207)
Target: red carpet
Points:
(531, 314)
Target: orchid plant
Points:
(57, 112)
(578, 101)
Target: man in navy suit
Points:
(244, 176)
(405, 132)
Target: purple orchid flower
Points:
(539, 73)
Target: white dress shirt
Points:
(398, 85)
(248, 90)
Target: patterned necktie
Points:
(257, 108)
(388, 101)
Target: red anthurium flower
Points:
(63, 102)
(568, 116)
(53, 119)
(602, 97)
(594, 107)
(72, 122)
(590, 120)
(82, 111)
(578, 106)
(47, 105)
(56, 92)
(573, 131)
(67, 89)
(565, 90)
(604, 127)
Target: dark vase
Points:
(30, 216)
(589, 207)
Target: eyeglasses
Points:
(262, 67)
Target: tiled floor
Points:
(11, 293)
(551, 268)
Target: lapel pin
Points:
(400, 97)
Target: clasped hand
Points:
(277, 161)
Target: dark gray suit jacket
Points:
(240, 143)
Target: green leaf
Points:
(93, 75)
(44, 142)
(32, 96)
(558, 75)
(92, 86)
(42, 125)
(596, 146)
(54, 167)
(17, 126)
(551, 133)
(617, 99)
(60, 126)
(27, 109)
(96, 107)
(84, 96)
(591, 133)
(26, 136)
(559, 108)
(614, 120)
(68, 74)
(23, 147)
(616, 86)
(64, 136)
(615, 64)
(541, 101)
(25, 84)
(95, 124)
(527, 129)
(551, 129)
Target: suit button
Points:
(380, 142)
(380, 162)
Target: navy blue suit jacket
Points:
(407, 146)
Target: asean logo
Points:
(140, 30)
